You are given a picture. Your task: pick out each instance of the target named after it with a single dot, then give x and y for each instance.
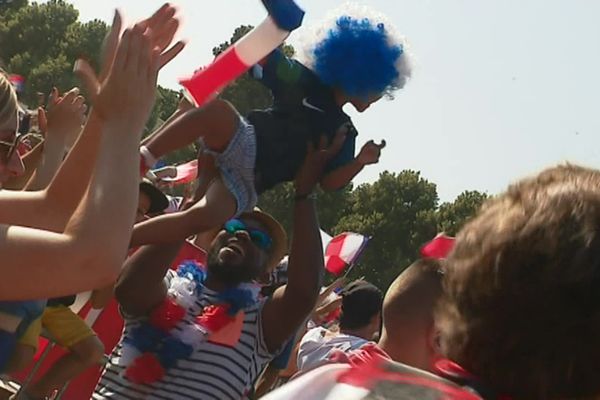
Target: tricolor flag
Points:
(186, 173)
(343, 251)
(18, 82)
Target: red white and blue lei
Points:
(155, 345)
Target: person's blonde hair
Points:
(9, 104)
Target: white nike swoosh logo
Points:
(306, 104)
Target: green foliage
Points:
(42, 41)
(165, 105)
(398, 213)
(452, 216)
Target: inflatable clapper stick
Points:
(284, 16)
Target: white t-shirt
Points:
(319, 384)
(317, 344)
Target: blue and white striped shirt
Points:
(213, 371)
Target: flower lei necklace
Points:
(155, 345)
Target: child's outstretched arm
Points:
(342, 176)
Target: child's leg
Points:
(213, 210)
(215, 124)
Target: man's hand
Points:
(370, 153)
(314, 164)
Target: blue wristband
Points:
(286, 13)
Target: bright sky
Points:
(502, 88)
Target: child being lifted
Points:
(356, 57)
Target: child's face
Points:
(362, 103)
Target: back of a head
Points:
(8, 103)
(411, 298)
(521, 305)
(361, 301)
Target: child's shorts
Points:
(236, 165)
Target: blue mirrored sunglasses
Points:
(260, 238)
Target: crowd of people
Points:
(216, 301)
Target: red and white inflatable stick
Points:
(234, 61)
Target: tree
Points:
(42, 42)
(331, 206)
(452, 216)
(398, 213)
(165, 105)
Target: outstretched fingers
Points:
(170, 54)
(109, 49)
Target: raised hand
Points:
(370, 152)
(314, 164)
(160, 30)
(64, 116)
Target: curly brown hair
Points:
(521, 308)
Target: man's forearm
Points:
(341, 176)
(140, 287)
(305, 268)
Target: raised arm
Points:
(71, 181)
(141, 285)
(89, 252)
(64, 119)
(342, 175)
(292, 303)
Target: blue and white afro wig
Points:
(357, 50)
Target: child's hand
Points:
(370, 152)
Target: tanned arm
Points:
(292, 303)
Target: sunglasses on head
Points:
(260, 238)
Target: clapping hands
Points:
(126, 85)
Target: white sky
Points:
(502, 87)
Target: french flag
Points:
(186, 173)
(343, 251)
(18, 82)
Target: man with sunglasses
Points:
(245, 250)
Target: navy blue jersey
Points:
(303, 110)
